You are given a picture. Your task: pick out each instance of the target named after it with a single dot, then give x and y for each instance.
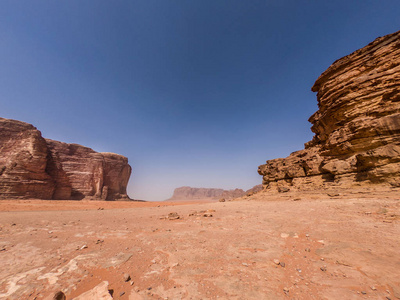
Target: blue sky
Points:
(195, 93)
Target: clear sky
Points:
(195, 93)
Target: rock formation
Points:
(23, 162)
(357, 125)
(34, 167)
(190, 193)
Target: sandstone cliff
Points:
(357, 125)
(23, 162)
(34, 167)
(190, 193)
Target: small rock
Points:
(207, 215)
(373, 288)
(222, 200)
(363, 292)
(59, 296)
(127, 277)
(333, 194)
(285, 290)
(83, 247)
(173, 216)
(282, 264)
(283, 189)
(323, 268)
(131, 282)
(276, 261)
(122, 293)
(307, 250)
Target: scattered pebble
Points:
(323, 268)
(284, 235)
(276, 261)
(83, 247)
(333, 194)
(122, 293)
(307, 250)
(363, 292)
(127, 277)
(285, 290)
(282, 264)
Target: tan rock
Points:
(99, 292)
(357, 126)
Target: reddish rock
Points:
(357, 126)
(91, 174)
(34, 167)
(23, 162)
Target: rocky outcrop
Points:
(189, 193)
(23, 162)
(357, 125)
(34, 167)
(89, 174)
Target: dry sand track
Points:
(284, 246)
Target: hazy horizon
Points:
(194, 93)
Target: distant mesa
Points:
(187, 193)
(357, 125)
(34, 167)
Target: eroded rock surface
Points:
(34, 167)
(23, 162)
(357, 126)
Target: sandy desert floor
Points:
(267, 246)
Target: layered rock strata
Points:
(34, 167)
(357, 125)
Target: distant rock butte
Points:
(190, 193)
(357, 126)
(34, 167)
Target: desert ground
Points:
(292, 245)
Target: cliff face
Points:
(357, 126)
(190, 193)
(89, 173)
(23, 161)
(34, 167)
